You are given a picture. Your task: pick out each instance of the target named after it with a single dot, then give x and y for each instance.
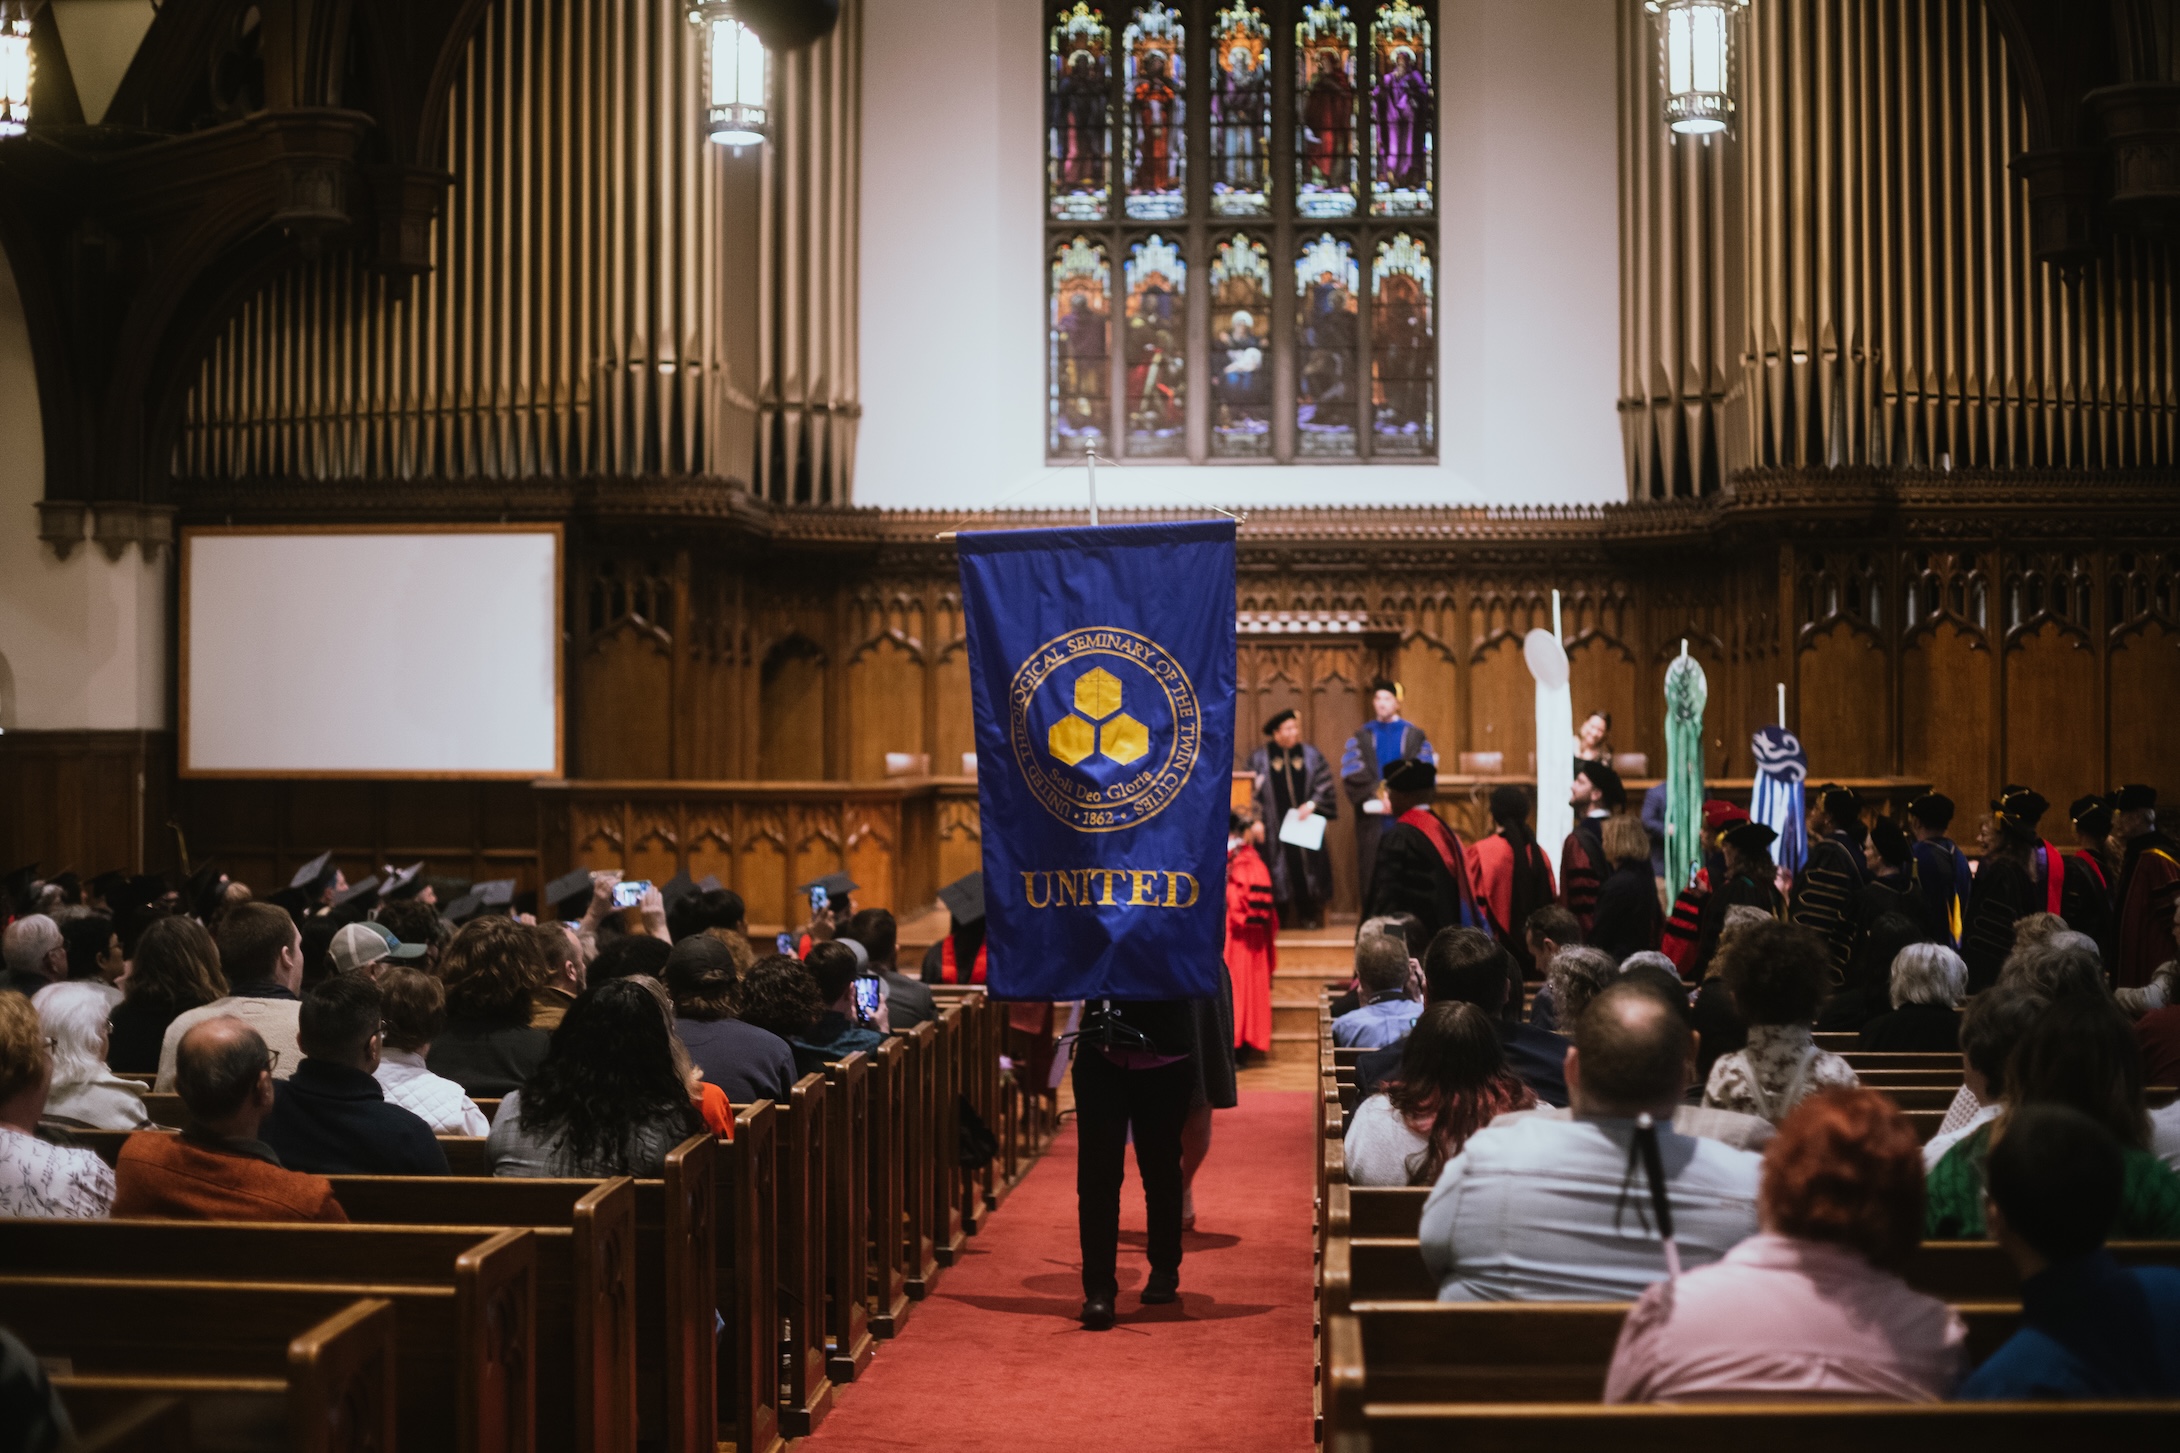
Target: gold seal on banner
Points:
(1104, 726)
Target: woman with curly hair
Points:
(490, 969)
(1453, 1079)
(1812, 1306)
(609, 1098)
(176, 968)
(1775, 973)
(779, 994)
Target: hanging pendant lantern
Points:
(1695, 39)
(18, 67)
(735, 76)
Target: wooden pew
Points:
(492, 1291)
(888, 1076)
(848, 1338)
(465, 1153)
(463, 1361)
(120, 1421)
(944, 1080)
(745, 1282)
(166, 1107)
(609, 1253)
(804, 1162)
(919, 1236)
(288, 1380)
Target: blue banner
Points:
(1102, 666)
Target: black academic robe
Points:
(2003, 895)
(1942, 871)
(2085, 902)
(1740, 890)
(1284, 781)
(1410, 877)
(1823, 898)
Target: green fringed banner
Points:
(1686, 691)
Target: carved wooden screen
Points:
(1240, 230)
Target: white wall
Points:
(84, 639)
(953, 302)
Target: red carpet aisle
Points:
(994, 1362)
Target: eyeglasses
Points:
(272, 1061)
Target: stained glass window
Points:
(1157, 158)
(1081, 376)
(1079, 115)
(1324, 141)
(1327, 284)
(1199, 155)
(1241, 112)
(1403, 349)
(1241, 349)
(1403, 112)
(1157, 349)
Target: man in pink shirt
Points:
(1810, 1306)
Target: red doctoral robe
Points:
(1252, 945)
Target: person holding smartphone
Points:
(830, 906)
(838, 1033)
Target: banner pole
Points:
(1090, 458)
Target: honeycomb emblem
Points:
(1098, 724)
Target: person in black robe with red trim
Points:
(2006, 889)
(1422, 866)
(2086, 897)
(963, 947)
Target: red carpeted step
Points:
(995, 1362)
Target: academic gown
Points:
(1582, 869)
(1360, 773)
(2085, 902)
(1252, 946)
(1410, 876)
(2003, 895)
(2149, 880)
(1740, 890)
(1942, 870)
(1823, 898)
(1282, 784)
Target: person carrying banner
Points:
(1252, 936)
(2149, 880)
(1422, 867)
(1371, 753)
(1293, 776)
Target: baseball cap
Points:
(357, 945)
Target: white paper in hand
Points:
(1303, 832)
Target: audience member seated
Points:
(1549, 929)
(838, 1031)
(1628, 920)
(2091, 1328)
(1537, 1209)
(365, 948)
(1718, 1024)
(778, 996)
(1928, 980)
(562, 952)
(706, 910)
(218, 1169)
(1453, 1081)
(627, 957)
(35, 953)
(331, 1118)
(415, 923)
(37, 1177)
(94, 953)
(608, 1099)
(176, 968)
(1866, 991)
(1996, 1022)
(1579, 974)
(908, 1001)
(746, 1063)
(490, 969)
(2057, 964)
(1469, 966)
(1812, 1306)
(85, 1095)
(413, 1013)
(2080, 1053)
(1389, 1007)
(1775, 973)
(2157, 1029)
(261, 953)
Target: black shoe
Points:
(1163, 1287)
(1097, 1314)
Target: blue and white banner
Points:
(1102, 666)
(1776, 799)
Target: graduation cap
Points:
(678, 887)
(836, 885)
(70, 885)
(2134, 797)
(1840, 805)
(2092, 815)
(205, 887)
(1411, 774)
(2021, 809)
(1753, 838)
(494, 896)
(1385, 683)
(567, 889)
(1602, 779)
(356, 899)
(1892, 842)
(15, 888)
(964, 899)
(1933, 810)
(1719, 814)
(403, 883)
(315, 876)
(107, 884)
(141, 891)
(294, 900)
(1278, 720)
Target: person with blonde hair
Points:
(37, 1177)
(85, 1094)
(1628, 920)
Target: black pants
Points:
(1108, 1101)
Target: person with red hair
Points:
(1812, 1306)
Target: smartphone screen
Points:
(868, 995)
(628, 895)
(819, 898)
(786, 944)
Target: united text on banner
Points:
(1102, 666)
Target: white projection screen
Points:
(402, 651)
